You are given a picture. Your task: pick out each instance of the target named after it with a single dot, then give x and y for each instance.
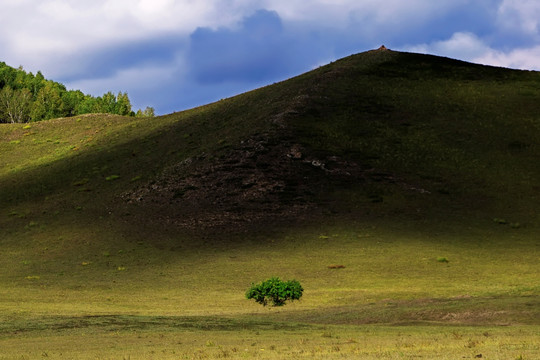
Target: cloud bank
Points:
(178, 54)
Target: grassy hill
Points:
(382, 162)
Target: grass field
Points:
(418, 238)
(393, 299)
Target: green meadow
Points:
(393, 299)
(417, 237)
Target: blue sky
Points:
(174, 55)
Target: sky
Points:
(177, 54)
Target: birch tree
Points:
(15, 105)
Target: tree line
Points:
(25, 97)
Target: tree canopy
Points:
(26, 97)
(276, 291)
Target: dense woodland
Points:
(25, 97)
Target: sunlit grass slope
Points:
(400, 189)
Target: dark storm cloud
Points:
(258, 49)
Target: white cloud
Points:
(524, 58)
(66, 26)
(467, 46)
(521, 15)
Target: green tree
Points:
(50, 99)
(123, 105)
(48, 103)
(87, 105)
(7, 75)
(276, 291)
(108, 103)
(15, 105)
(148, 112)
(20, 78)
(39, 82)
(71, 102)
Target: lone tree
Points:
(276, 291)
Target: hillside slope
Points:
(374, 180)
(381, 134)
